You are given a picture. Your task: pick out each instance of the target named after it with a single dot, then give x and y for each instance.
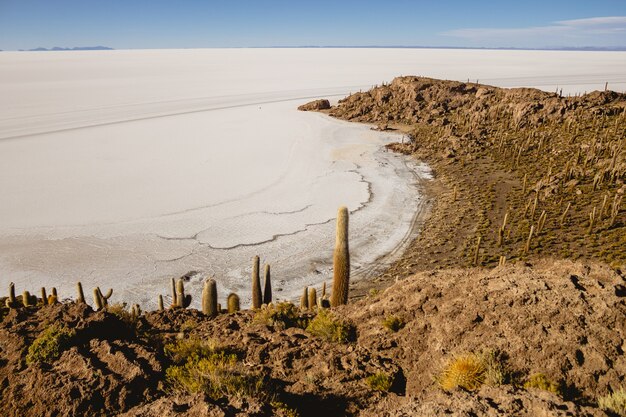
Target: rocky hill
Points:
(554, 164)
(560, 323)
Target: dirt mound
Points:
(558, 318)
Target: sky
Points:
(139, 24)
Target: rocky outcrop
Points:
(315, 105)
(411, 100)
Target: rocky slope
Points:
(562, 319)
(544, 162)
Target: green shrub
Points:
(202, 367)
(393, 323)
(540, 381)
(379, 382)
(281, 316)
(49, 345)
(615, 402)
(331, 328)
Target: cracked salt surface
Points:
(126, 168)
(284, 212)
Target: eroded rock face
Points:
(315, 105)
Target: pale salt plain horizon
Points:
(126, 168)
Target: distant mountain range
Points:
(76, 48)
(564, 48)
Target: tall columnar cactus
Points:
(304, 299)
(81, 294)
(11, 302)
(182, 300)
(312, 298)
(105, 297)
(257, 297)
(233, 303)
(161, 308)
(477, 250)
(341, 261)
(324, 289)
(97, 299)
(44, 296)
(209, 298)
(26, 299)
(173, 288)
(267, 287)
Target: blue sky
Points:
(127, 24)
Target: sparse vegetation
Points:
(202, 367)
(614, 402)
(393, 323)
(496, 371)
(281, 316)
(49, 345)
(328, 326)
(379, 382)
(283, 410)
(541, 381)
(119, 309)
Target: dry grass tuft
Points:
(379, 382)
(280, 316)
(328, 326)
(615, 402)
(393, 323)
(542, 382)
(202, 367)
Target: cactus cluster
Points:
(179, 299)
(30, 300)
(260, 297)
(210, 305)
(101, 301)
